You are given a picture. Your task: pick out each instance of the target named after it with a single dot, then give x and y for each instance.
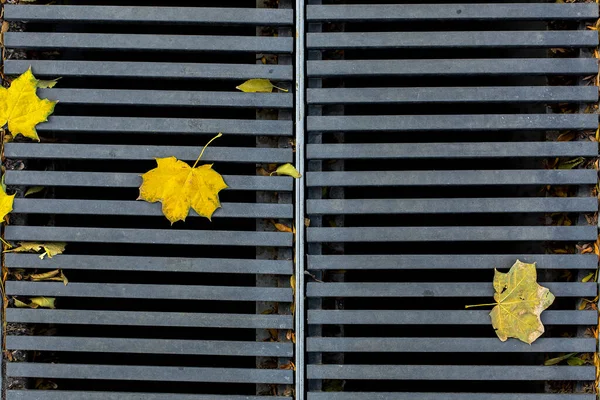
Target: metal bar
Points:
(129, 69)
(141, 291)
(452, 12)
(499, 94)
(452, 178)
(162, 43)
(121, 125)
(147, 373)
(146, 318)
(431, 396)
(433, 289)
(454, 67)
(452, 40)
(447, 261)
(452, 372)
(450, 234)
(56, 151)
(148, 346)
(173, 98)
(449, 150)
(137, 208)
(151, 15)
(435, 317)
(452, 123)
(130, 180)
(98, 395)
(148, 236)
(446, 345)
(299, 202)
(450, 206)
(151, 264)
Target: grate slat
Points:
(136, 208)
(149, 346)
(139, 373)
(451, 150)
(133, 152)
(428, 12)
(140, 291)
(131, 180)
(141, 318)
(500, 94)
(449, 261)
(449, 206)
(425, 40)
(151, 15)
(437, 317)
(451, 372)
(182, 98)
(452, 234)
(155, 264)
(124, 69)
(450, 345)
(148, 236)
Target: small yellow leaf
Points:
(6, 202)
(293, 284)
(557, 360)
(42, 84)
(289, 170)
(258, 86)
(34, 190)
(588, 277)
(50, 249)
(180, 187)
(46, 302)
(21, 108)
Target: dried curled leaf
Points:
(56, 275)
(180, 187)
(35, 302)
(258, 86)
(21, 108)
(50, 249)
(520, 301)
(289, 170)
(6, 202)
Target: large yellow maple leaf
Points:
(180, 187)
(6, 202)
(21, 108)
(520, 301)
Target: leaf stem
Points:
(204, 148)
(482, 305)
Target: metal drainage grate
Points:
(427, 129)
(198, 310)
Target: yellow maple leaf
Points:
(520, 301)
(258, 86)
(21, 108)
(180, 187)
(50, 249)
(6, 202)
